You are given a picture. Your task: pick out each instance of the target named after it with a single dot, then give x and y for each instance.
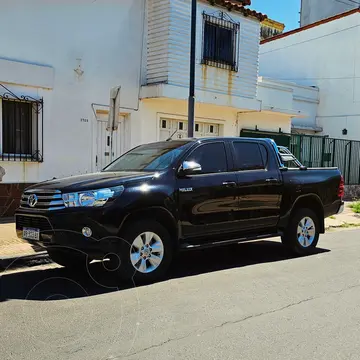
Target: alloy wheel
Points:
(147, 252)
(306, 232)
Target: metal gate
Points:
(103, 142)
(319, 151)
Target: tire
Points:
(69, 259)
(295, 241)
(146, 252)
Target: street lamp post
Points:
(191, 101)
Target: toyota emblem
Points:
(32, 200)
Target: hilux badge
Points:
(186, 189)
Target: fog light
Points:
(86, 232)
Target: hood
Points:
(92, 181)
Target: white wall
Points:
(157, 38)
(306, 100)
(106, 36)
(315, 10)
(231, 120)
(327, 56)
(292, 99)
(169, 46)
(264, 121)
(152, 110)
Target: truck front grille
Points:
(35, 222)
(42, 200)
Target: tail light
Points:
(341, 190)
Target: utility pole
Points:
(191, 101)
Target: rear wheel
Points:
(69, 258)
(146, 251)
(302, 233)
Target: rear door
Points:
(208, 201)
(259, 185)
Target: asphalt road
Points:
(249, 301)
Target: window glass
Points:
(211, 157)
(218, 43)
(18, 130)
(264, 154)
(248, 156)
(150, 157)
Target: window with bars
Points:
(20, 130)
(220, 42)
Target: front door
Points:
(208, 201)
(259, 186)
(103, 142)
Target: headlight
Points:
(92, 198)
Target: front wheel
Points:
(302, 233)
(146, 251)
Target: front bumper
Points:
(63, 229)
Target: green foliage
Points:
(355, 207)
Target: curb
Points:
(15, 261)
(344, 226)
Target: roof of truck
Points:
(210, 138)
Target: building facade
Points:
(316, 10)
(325, 55)
(270, 28)
(58, 65)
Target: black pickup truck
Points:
(174, 195)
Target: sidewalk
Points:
(12, 246)
(346, 219)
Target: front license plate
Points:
(31, 234)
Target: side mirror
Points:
(190, 168)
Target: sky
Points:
(284, 11)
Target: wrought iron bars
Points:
(21, 130)
(220, 41)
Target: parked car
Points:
(177, 195)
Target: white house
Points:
(59, 62)
(325, 54)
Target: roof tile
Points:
(239, 5)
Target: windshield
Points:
(149, 157)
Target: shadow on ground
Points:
(60, 283)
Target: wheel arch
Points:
(312, 202)
(156, 213)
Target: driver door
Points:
(208, 199)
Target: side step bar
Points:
(186, 246)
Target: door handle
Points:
(229, 183)
(272, 180)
